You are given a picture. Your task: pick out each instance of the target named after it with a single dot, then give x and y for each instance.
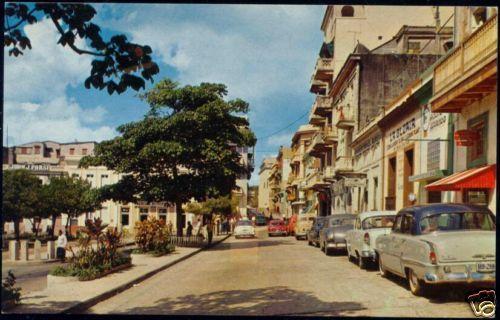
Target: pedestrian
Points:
(62, 242)
(189, 229)
(218, 226)
(170, 227)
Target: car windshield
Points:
(244, 223)
(457, 221)
(378, 222)
(276, 223)
(341, 221)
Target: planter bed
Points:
(62, 279)
(8, 304)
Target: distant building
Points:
(264, 172)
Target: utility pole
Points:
(438, 26)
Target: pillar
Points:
(51, 250)
(38, 249)
(24, 250)
(14, 250)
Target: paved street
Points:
(275, 276)
(30, 277)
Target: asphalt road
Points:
(277, 276)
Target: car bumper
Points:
(244, 234)
(468, 275)
(277, 233)
(300, 234)
(335, 245)
(369, 254)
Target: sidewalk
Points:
(71, 298)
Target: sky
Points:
(265, 54)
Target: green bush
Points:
(9, 292)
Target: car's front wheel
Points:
(417, 286)
(361, 262)
(327, 251)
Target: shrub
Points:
(90, 262)
(9, 292)
(152, 235)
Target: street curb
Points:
(84, 305)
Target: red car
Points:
(277, 227)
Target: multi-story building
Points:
(277, 180)
(47, 159)
(241, 190)
(300, 169)
(465, 87)
(264, 189)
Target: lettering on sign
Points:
(405, 131)
(437, 119)
(31, 167)
(355, 182)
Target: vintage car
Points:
(244, 228)
(440, 243)
(332, 235)
(304, 223)
(312, 236)
(277, 228)
(368, 226)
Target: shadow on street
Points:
(279, 300)
(245, 244)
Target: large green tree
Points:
(185, 147)
(20, 197)
(118, 65)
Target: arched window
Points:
(347, 11)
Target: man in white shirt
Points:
(62, 242)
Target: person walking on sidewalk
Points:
(189, 229)
(62, 242)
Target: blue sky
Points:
(264, 54)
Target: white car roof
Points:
(367, 214)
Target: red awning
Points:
(480, 178)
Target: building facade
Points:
(264, 172)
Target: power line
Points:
(288, 126)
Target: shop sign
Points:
(466, 138)
(31, 167)
(406, 130)
(355, 182)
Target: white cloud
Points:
(59, 120)
(36, 105)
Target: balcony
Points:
(468, 72)
(343, 164)
(315, 181)
(318, 145)
(322, 106)
(344, 117)
(328, 173)
(318, 87)
(316, 120)
(330, 135)
(324, 69)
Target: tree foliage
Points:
(185, 147)
(220, 205)
(116, 59)
(20, 197)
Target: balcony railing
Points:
(322, 106)
(323, 69)
(344, 117)
(343, 164)
(316, 120)
(318, 87)
(328, 173)
(471, 55)
(330, 134)
(317, 142)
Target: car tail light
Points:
(432, 257)
(367, 238)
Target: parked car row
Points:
(426, 244)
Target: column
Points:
(13, 250)
(38, 249)
(24, 250)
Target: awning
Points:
(481, 178)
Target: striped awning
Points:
(480, 178)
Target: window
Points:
(476, 154)
(413, 47)
(476, 196)
(457, 221)
(84, 151)
(433, 152)
(347, 11)
(104, 176)
(357, 225)
(397, 224)
(24, 150)
(143, 210)
(434, 197)
(75, 175)
(73, 222)
(89, 176)
(407, 224)
(71, 151)
(378, 222)
(37, 149)
(125, 216)
(143, 217)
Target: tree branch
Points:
(71, 45)
(20, 21)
